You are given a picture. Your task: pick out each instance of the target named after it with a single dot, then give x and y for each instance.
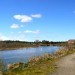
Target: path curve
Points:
(66, 65)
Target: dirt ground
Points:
(66, 65)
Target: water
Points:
(22, 55)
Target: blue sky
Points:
(31, 20)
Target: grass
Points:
(42, 65)
(36, 66)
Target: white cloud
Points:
(23, 18)
(26, 18)
(37, 15)
(30, 31)
(15, 26)
(2, 37)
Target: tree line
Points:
(8, 44)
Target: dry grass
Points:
(41, 65)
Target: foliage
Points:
(36, 66)
(21, 44)
(41, 65)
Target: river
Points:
(23, 55)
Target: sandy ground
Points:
(66, 65)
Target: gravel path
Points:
(66, 65)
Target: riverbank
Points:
(36, 66)
(42, 65)
(3, 49)
(34, 46)
(9, 45)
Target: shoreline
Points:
(16, 48)
(44, 64)
(47, 60)
(5, 49)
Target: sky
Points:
(30, 20)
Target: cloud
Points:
(37, 15)
(30, 31)
(23, 18)
(15, 26)
(26, 18)
(2, 37)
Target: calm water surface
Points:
(22, 55)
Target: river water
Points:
(23, 55)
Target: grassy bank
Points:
(42, 65)
(36, 66)
(9, 45)
(15, 48)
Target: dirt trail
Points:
(66, 65)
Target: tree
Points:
(45, 42)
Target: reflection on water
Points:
(22, 55)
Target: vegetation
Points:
(42, 65)
(36, 66)
(2, 66)
(4, 45)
